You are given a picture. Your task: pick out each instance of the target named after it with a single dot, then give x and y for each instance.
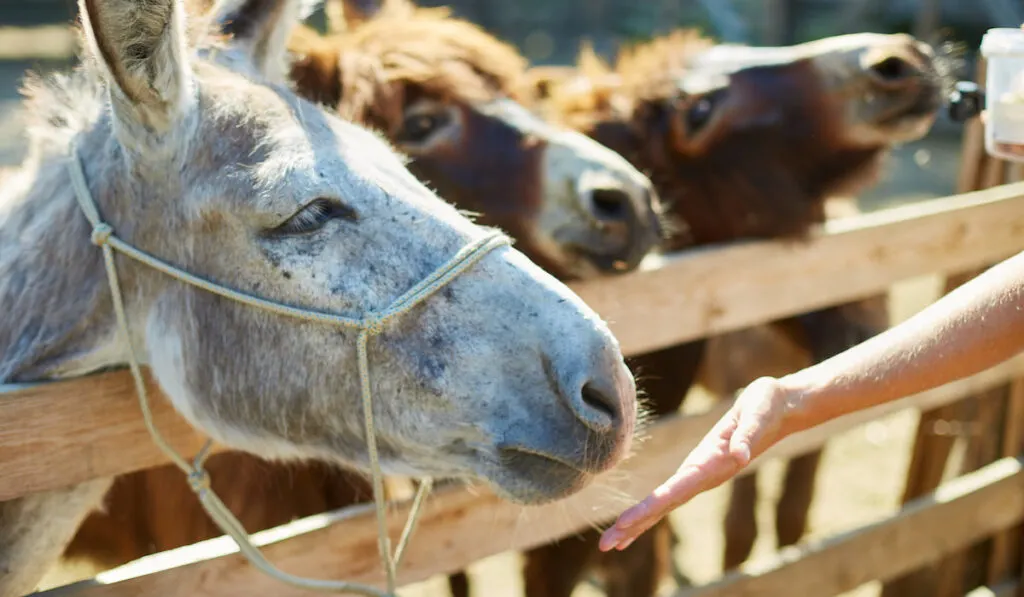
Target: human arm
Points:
(974, 327)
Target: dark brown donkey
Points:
(443, 92)
(741, 143)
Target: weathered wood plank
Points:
(958, 513)
(703, 292)
(61, 433)
(343, 544)
(1006, 545)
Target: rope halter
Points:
(371, 324)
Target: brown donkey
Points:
(445, 92)
(741, 143)
(442, 91)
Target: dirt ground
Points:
(862, 473)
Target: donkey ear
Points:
(142, 49)
(315, 68)
(589, 62)
(262, 28)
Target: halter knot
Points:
(101, 234)
(374, 324)
(199, 481)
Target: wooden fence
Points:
(59, 433)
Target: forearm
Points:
(969, 330)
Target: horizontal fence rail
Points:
(60, 433)
(458, 526)
(962, 511)
(704, 292)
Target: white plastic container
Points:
(1003, 50)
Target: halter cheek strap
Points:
(370, 325)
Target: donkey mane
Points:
(644, 71)
(363, 73)
(58, 106)
(648, 68)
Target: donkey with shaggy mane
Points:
(450, 96)
(741, 142)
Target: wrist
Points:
(799, 395)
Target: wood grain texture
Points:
(957, 514)
(1006, 545)
(705, 292)
(60, 433)
(459, 527)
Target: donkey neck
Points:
(58, 320)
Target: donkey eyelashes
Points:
(314, 215)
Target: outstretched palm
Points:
(750, 427)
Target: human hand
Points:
(752, 425)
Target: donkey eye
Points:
(417, 128)
(699, 114)
(314, 215)
(700, 110)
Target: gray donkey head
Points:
(207, 160)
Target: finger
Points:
(618, 538)
(625, 544)
(706, 466)
(672, 493)
(749, 432)
(752, 425)
(689, 481)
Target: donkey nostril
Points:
(610, 204)
(604, 404)
(893, 69)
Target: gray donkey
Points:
(206, 160)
